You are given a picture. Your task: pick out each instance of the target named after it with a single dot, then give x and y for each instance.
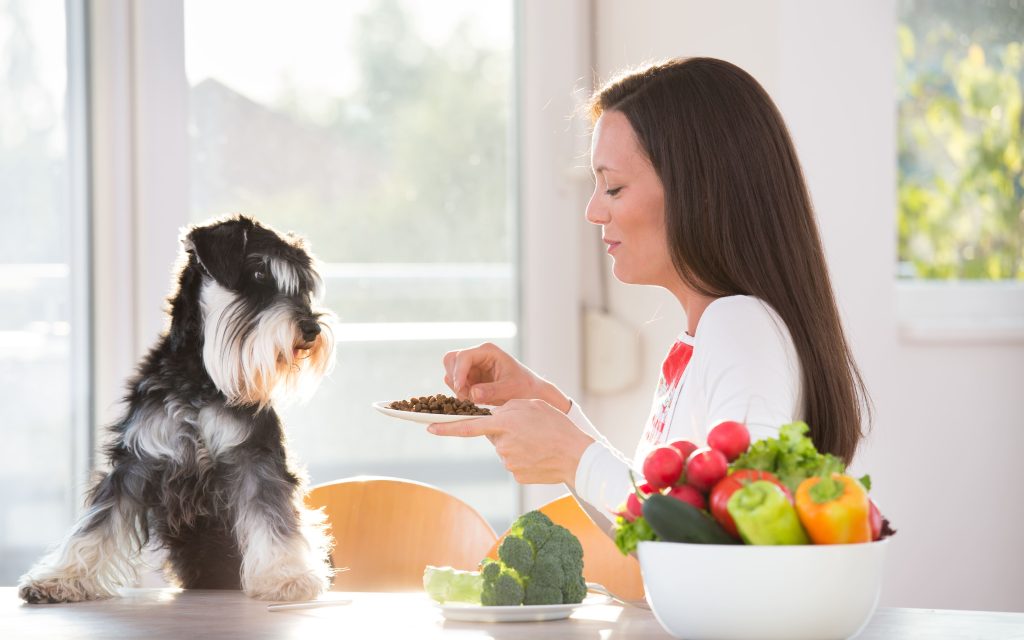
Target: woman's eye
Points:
(613, 192)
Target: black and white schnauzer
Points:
(198, 462)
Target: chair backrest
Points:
(386, 530)
(602, 560)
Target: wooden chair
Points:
(602, 560)
(386, 530)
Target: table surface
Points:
(173, 613)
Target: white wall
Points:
(948, 425)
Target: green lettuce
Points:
(791, 457)
(629, 534)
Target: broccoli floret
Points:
(489, 569)
(533, 526)
(542, 594)
(517, 553)
(547, 570)
(540, 561)
(574, 590)
(502, 585)
(564, 547)
(545, 583)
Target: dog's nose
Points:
(310, 330)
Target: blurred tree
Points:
(961, 179)
(411, 167)
(33, 170)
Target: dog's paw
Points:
(55, 590)
(304, 586)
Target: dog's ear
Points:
(220, 249)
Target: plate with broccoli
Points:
(464, 612)
(538, 576)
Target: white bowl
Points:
(714, 592)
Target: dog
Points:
(198, 462)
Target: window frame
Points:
(960, 311)
(141, 184)
(968, 312)
(79, 209)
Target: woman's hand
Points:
(534, 440)
(487, 375)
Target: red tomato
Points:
(875, 517)
(731, 438)
(685, 447)
(705, 467)
(729, 485)
(663, 467)
(686, 493)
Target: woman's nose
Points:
(596, 214)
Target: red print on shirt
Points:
(671, 374)
(675, 363)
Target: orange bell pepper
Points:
(834, 510)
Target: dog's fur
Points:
(198, 462)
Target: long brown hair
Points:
(739, 218)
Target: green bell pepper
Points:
(764, 515)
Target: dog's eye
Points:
(259, 275)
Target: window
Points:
(43, 295)
(380, 131)
(961, 189)
(961, 167)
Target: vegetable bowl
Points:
(765, 539)
(792, 592)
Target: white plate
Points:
(523, 613)
(428, 418)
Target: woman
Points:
(698, 190)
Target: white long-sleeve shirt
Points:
(741, 365)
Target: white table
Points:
(172, 613)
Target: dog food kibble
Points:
(440, 404)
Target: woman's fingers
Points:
(471, 428)
(486, 393)
(465, 370)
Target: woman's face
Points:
(629, 204)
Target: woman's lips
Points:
(612, 245)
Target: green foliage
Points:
(791, 457)
(961, 176)
(34, 159)
(411, 165)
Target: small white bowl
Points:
(715, 592)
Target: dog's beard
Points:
(259, 357)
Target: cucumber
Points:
(677, 521)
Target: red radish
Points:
(685, 447)
(731, 438)
(729, 485)
(663, 467)
(686, 493)
(705, 467)
(634, 509)
(875, 517)
(622, 512)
